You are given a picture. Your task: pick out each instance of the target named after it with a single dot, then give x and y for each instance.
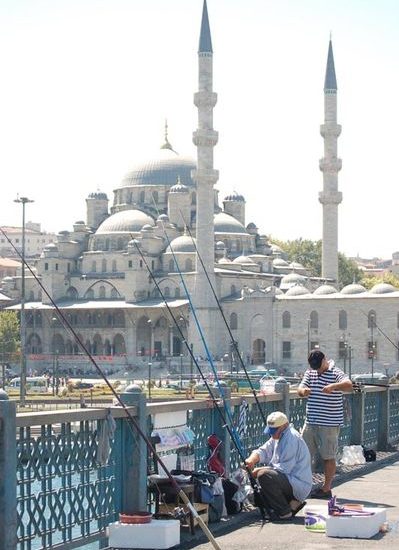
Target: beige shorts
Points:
(322, 439)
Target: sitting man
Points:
(286, 480)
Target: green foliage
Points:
(308, 253)
(389, 278)
(9, 334)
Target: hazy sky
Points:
(87, 84)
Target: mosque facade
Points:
(162, 213)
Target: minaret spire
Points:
(205, 176)
(330, 165)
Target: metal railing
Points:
(59, 493)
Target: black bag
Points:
(230, 490)
(369, 454)
(203, 486)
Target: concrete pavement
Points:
(371, 488)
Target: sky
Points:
(87, 85)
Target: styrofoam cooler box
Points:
(358, 527)
(159, 533)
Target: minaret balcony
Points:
(330, 197)
(330, 129)
(205, 99)
(330, 164)
(205, 138)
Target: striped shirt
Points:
(324, 409)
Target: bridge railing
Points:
(64, 477)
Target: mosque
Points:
(275, 310)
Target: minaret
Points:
(205, 139)
(330, 165)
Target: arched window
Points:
(106, 244)
(89, 294)
(189, 265)
(314, 319)
(72, 293)
(114, 293)
(113, 266)
(120, 244)
(177, 292)
(142, 196)
(171, 265)
(166, 292)
(31, 296)
(286, 319)
(104, 265)
(233, 289)
(372, 319)
(155, 196)
(101, 292)
(119, 345)
(233, 321)
(342, 320)
(93, 266)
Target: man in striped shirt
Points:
(323, 384)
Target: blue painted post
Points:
(134, 454)
(8, 475)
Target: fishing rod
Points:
(258, 495)
(132, 421)
(233, 341)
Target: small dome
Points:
(325, 289)
(220, 245)
(354, 288)
(163, 218)
(243, 260)
(7, 279)
(98, 195)
(276, 249)
(147, 227)
(51, 247)
(79, 222)
(125, 221)
(297, 290)
(181, 244)
(179, 188)
(234, 197)
(383, 288)
(279, 262)
(224, 223)
(251, 226)
(292, 279)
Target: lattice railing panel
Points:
(393, 415)
(202, 423)
(62, 492)
(371, 419)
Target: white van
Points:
(34, 384)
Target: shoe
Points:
(285, 517)
(319, 493)
(296, 506)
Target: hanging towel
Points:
(242, 419)
(106, 431)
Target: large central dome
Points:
(165, 169)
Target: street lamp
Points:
(308, 337)
(181, 372)
(149, 380)
(23, 201)
(372, 345)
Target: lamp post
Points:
(308, 337)
(372, 345)
(350, 362)
(149, 380)
(181, 372)
(191, 361)
(23, 201)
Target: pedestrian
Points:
(286, 478)
(323, 384)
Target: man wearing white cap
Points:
(286, 479)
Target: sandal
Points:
(298, 508)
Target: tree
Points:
(9, 334)
(308, 253)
